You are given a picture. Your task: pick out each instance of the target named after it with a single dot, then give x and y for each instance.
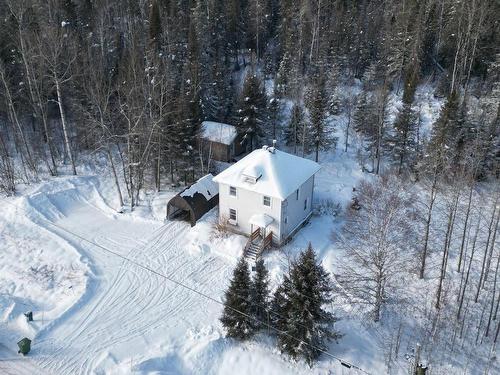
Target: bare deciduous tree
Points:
(378, 241)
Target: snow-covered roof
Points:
(218, 132)
(281, 173)
(204, 185)
(261, 220)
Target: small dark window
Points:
(267, 201)
(232, 191)
(297, 194)
(305, 204)
(232, 214)
(286, 219)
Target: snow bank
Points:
(39, 271)
(203, 239)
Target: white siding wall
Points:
(247, 203)
(293, 208)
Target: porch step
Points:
(252, 251)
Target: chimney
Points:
(273, 148)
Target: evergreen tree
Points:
(216, 84)
(260, 294)
(331, 89)
(442, 145)
(251, 112)
(491, 147)
(369, 119)
(155, 26)
(283, 75)
(316, 103)
(308, 326)
(402, 141)
(237, 315)
(295, 128)
(274, 116)
(288, 78)
(280, 305)
(362, 112)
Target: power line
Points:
(181, 284)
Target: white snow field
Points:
(100, 314)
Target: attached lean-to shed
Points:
(194, 201)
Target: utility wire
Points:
(181, 284)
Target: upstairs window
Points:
(267, 201)
(297, 194)
(232, 191)
(305, 204)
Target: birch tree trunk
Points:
(428, 223)
(64, 124)
(490, 255)
(115, 177)
(461, 301)
(483, 266)
(467, 213)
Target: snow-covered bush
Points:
(220, 227)
(327, 207)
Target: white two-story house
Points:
(268, 191)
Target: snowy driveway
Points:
(127, 311)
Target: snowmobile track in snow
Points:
(128, 302)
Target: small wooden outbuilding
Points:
(194, 201)
(220, 141)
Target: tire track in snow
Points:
(96, 307)
(181, 302)
(114, 314)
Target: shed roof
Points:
(218, 132)
(281, 173)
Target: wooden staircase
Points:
(256, 245)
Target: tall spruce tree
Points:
(402, 141)
(280, 305)
(308, 326)
(442, 145)
(362, 113)
(260, 294)
(295, 127)
(237, 316)
(155, 26)
(251, 111)
(274, 117)
(316, 103)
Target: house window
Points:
(297, 194)
(305, 204)
(232, 214)
(286, 219)
(232, 191)
(267, 201)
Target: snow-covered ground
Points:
(95, 312)
(68, 256)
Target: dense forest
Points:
(132, 80)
